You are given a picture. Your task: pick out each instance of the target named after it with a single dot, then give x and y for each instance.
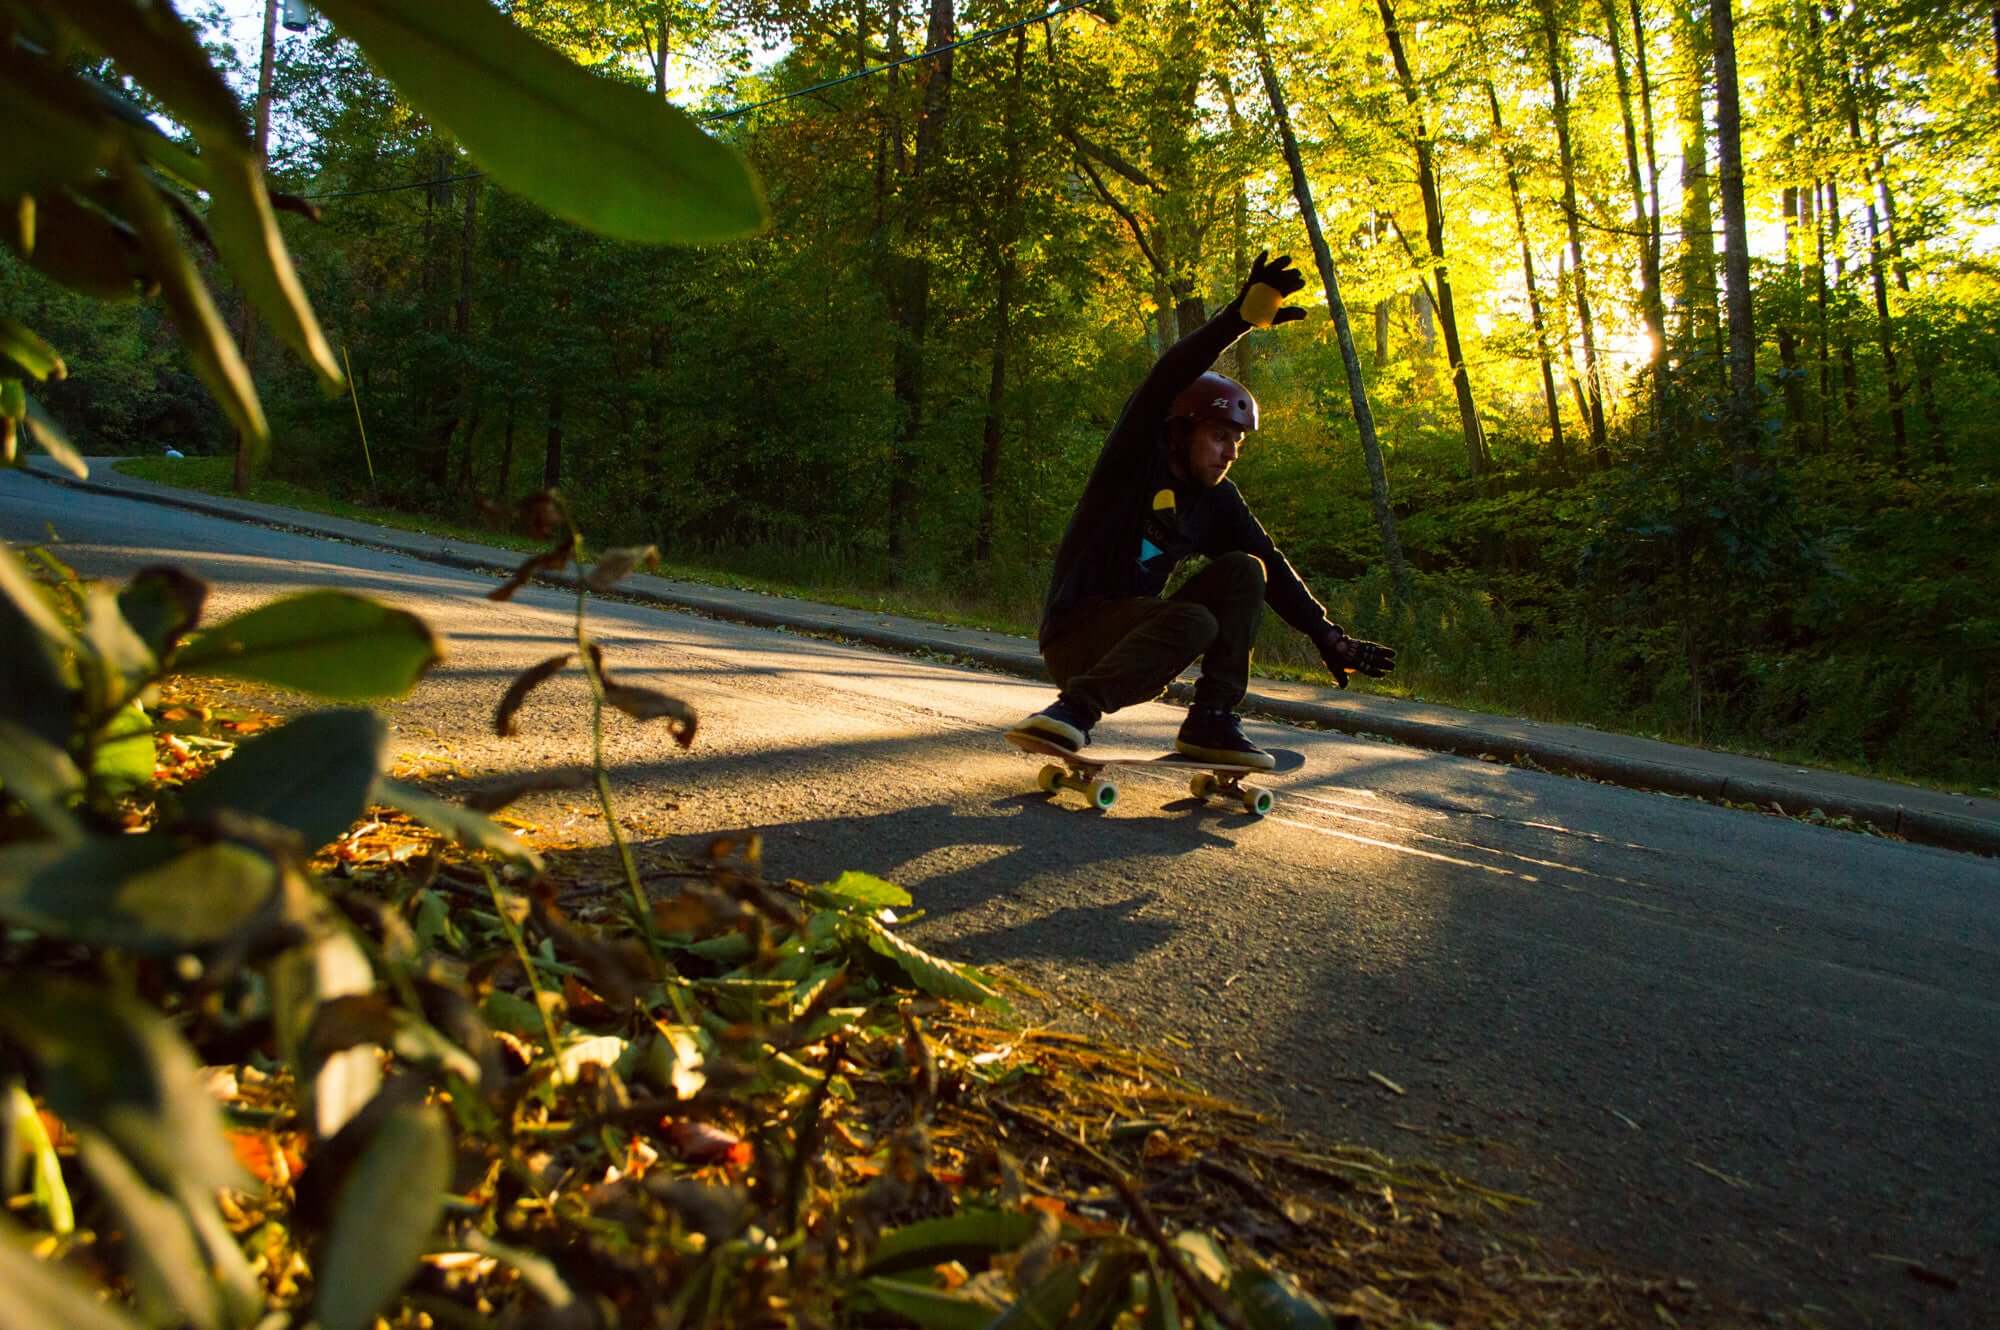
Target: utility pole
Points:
(247, 325)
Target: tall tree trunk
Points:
(552, 451)
(1357, 391)
(1885, 335)
(1788, 331)
(1822, 338)
(1699, 326)
(1640, 66)
(502, 490)
(1850, 382)
(246, 328)
(1239, 231)
(1549, 398)
(461, 330)
(1003, 305)
(1461, 381)
(1735, 225)
(913, 281)
(1568, 346)
(1926, 369)
(1650, 307)
(1592, 372)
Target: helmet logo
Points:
(1221, 403)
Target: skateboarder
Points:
(1159, 493)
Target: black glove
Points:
(1343, 653)
(1264, 308)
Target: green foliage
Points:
(98, 205)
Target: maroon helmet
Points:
(1216, 397)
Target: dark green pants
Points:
(1116, 653)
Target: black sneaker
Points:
(1214, 735)
(1064, 722)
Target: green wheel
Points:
(1257, 800)
(1202, 785)
(1050, 779)
(1102, 792)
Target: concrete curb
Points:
(1927, 826)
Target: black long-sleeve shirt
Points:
(1136, 520)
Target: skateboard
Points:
(1085, 771)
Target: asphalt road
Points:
(1752, 1052)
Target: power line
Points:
(735, 111)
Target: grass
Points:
(1526, 694)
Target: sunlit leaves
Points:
(330, 643)
(966, 1236)
(932, 974)
(467, 827)
(604, 154)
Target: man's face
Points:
(1212, 446)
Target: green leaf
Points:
(167, 1267)
(33, 643)
(13, 399)
(332, 965)
(51, 1192)
(246, 235)
(387, 1208)
(1047, 1304)
(330, 643)
(1109, 1290)
(312, 774)
(111, 1065)
(42, 777)
(149, 42)
(473, 830)
(49, 437)
(853, 888)
(121, 663)
(75, 244)
(1162, 1311)
(210, 348)
(122, 762)
(607, 155)
(42, 1295)
(162, 604)
(19, 590)
(1272, 1302)
(932, 1308)
(968, 1235)
(52, 138)
(142, 893)
(24, 347)
(932, 974)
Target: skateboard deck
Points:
(1084, 772)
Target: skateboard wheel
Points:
(1202, 785)
(1102, 793)
(1050, 779)
(1257, 800)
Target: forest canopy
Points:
(1675, 324)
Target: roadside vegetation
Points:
(1628, 493)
